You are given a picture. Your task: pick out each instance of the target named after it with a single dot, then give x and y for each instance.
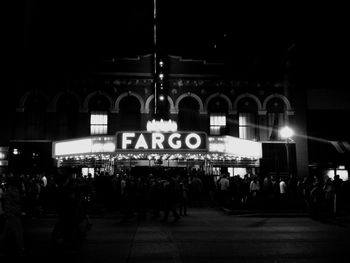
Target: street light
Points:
(286, 133)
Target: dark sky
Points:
(80, 29)
(184, 26)
(65, 35)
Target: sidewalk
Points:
(276, 213)
(207, 234)
(265, 213)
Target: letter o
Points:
(195, 136)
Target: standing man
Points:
(223, 185)
(170, 198)
(283, 193)
(338, 187)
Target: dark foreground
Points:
(206, 235)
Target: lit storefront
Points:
(330, 158)
(3, 158)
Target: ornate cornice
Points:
(182, 81)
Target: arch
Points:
(218, 94)
(189, 94)
(130, 93)
(150, 98)
(247, 95)
(147, 103)
(26, 95)
(61, 94)
(284, 98)
(92, 94)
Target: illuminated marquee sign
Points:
(157, 141)
(235, 146)
(4, 156)
(89, 145)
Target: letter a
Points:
(141, 143)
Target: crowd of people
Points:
(160, 194)
(321, 197)
(72, 197)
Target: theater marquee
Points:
(146, 142)
(160, 141)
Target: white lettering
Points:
(141, 143)
(177, 144)
(196, 137)
(125, 139)
(157, 140)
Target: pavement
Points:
(264, 213)
(206, 235)
(285, 212)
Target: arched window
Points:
(188, 117)
(130, 114)
(67, 116)
(276, 117)
(247, 119)
(218, 110)
(35, 109)
(98, 106)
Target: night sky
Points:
(185, 27)
(66, 36)
(80, 30)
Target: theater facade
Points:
(103, 120)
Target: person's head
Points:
(336, 177)
(316, 180)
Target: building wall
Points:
(50, 123)
(50, 120)
(328, 99)
(328, 111)
(112, 85)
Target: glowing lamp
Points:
(286, 132)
